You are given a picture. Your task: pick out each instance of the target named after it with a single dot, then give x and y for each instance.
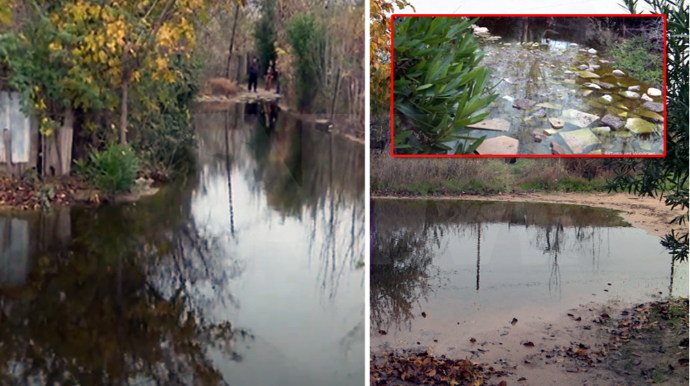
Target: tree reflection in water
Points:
(409, 234)
(118, 305)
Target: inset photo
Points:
(543, 85)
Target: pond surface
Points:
(547, 62)
(472, 267)
(249, 272)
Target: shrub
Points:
(638, 56)
(305, 35)
(113, 169)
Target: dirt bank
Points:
(646, 213)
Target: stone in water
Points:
(640, 126)
(556, 123)
(523, 104)
(634, 88)
(592, 51)
(587, 74)
(549, 105)
(630, 94)
(502, 145)
(581, 141)
(619, 73)
(655, 92)
(579, 118)
(497, 124)
(612, 122)
(653, 106)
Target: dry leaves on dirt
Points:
(26, 194)
(426, 369)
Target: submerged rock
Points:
(523, 104)
(650, 115)
(629, 94)
(587, 75)
(612, 122)
(640, 126)
(509, 98)
(549, 105)
(603, 130)
(606, 99)
(578, 118)
(594, 86)
(655, 92)
(556, 123)
(581, 141)
(582, 67)
(539, 135)
(557, 149)
(541, 113)
(607, 86)
(647, 98)
(634, 88)
(653, 106)
(587, 92)
(619, 73)
(594, 67)
(592, 51)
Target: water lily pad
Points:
(497, 124)
(640, 126)
(587, 75)
(578, 118)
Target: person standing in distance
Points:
(253, 73)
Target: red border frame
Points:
(520, 155)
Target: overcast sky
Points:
(519, 7)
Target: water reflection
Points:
(484, 263)
(247, 272)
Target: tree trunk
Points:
(232, 41)
(123, 112)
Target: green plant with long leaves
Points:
(666, 177)
(438, 85)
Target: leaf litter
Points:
(426, 369)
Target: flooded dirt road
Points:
(248, 272)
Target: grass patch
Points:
(423, 176)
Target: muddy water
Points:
(447, 271)
(538, 60)
(250, 271)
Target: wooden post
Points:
(7, 140)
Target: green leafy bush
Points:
(113, 169)
(438, 85)
(638, 56)
(305, 35)
(161, 120)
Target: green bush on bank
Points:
(112, 169)
(162, 119)
(638, 56)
